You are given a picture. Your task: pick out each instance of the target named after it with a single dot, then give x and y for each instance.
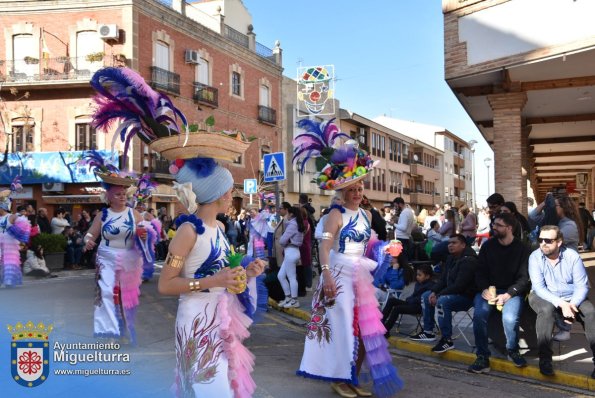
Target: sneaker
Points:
(423, 336)
(443, 345)
(562, 335)
(516, 357)
(284, 301)
(293, 303)
(546, 368)
(481, 365)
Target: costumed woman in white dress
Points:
(118, 264)
(14, 230)
(345, 332)
(216, 296)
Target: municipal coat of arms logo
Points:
(30, 353)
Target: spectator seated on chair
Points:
(452, 293)
(396, 277)
(395, 307)
(503, 263)
(560, 285)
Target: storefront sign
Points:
(71, 199)
(38, 168)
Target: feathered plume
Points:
(95, 161)
(314, 140)
(123, 95)
(145, 188)
(15, 185)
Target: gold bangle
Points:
(327, 236)
(174, 261)
(324, 267)
(194, 285)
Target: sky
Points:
(388, 57)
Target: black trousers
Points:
(395, 307)
(545, 324)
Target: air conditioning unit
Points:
(192, 57)
(108, 31)
(52, 187)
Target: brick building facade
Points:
(51, 49)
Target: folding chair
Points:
(464, 321)
(418, 328)
(389, 293)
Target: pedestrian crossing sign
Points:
(274, 167)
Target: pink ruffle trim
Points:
(130, 282)
(234, 329)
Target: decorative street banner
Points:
(316, 90)
(37, 168)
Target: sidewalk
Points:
(572, 359)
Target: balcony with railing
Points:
(267, 115)
(59, 69)
(428, 173)
(165, 80)
(236, 36)
(421, 198)
(206, 95)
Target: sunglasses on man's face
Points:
(546, 240)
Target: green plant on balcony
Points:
(95, 57)
(31, 60)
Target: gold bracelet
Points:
(194, 285)
(324, 267)
(174, 261)
(327, 236)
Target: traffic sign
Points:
(250, 186)
(274, 167)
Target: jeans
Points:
(511, 314)
(545, 323)
(446, 305)
(73, 254)
(287, 273)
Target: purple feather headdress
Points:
(96, 163)
(315, 138)
(145, 189)
(15, 185)
(123, 96)
(337, 167)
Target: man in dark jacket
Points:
(43, 221)
(503, 264)
(452, 293)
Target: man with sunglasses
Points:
(502, 263)
(560, 284)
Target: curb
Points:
(568, 379)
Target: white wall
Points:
(519, 26)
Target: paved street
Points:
(276, 341)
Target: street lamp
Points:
(487, 162)
(472, 144)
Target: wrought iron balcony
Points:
(31, 69)
(236, 36)
(267, 115)
(206, 94)
(165, 80)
